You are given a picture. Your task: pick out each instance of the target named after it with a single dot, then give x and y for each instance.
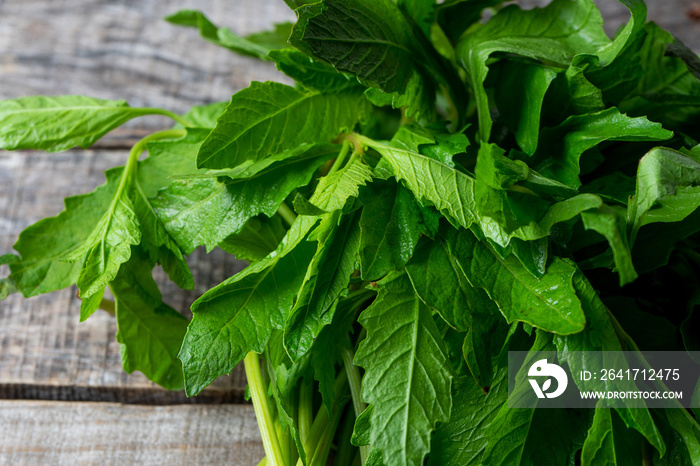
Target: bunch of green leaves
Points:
(435, 191)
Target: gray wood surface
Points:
(61, 433)
(122, 49)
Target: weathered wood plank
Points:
(124, 50)
(44, 352)
(58, 433)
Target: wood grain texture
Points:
(44, 352)
(123, 49)
(37, 432)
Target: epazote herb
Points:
(435, 191)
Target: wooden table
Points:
(64, 398)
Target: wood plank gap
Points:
(116, 394)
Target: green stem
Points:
(346, 452)
(323, 447)
(284, 436)
(323, 431)
(355, 382)
(341, 158)
(306, 409)
(263, 462)
(285, 442)
(139, 148)
(322, 423)
(266, 424)
(133, 159)
(167, 113)
(287, 213)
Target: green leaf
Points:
(462, 440)
(332, 340)
(240, 314)
(310, 73)
(533, 436)
(453, 196)
(153, 175)
(680, 50)
(421, 12)
(274, 39)
(665, 87)
(59, 123)
(382, 53)
(302, 206)
(109, 243)
(608, 443)
(522, 89)
(327, 278)
(439, 280)
(668, 188)
(433, 272)
(44, 245)
(549, 303)
(89, 305)
(252, 168)
(613, 71)
(555, 33)
(522, 436)
(262, 120)
(407, 379)
(205, 211)
(361, 436)
(257, 45)
(582, 95)
(168, 158)
(149, 332)
(436, 144)
(558, 158)
(611, 223)
(258, 238)
(391, 224)
(494, 174)
(362, 432)
(205, 116)
(683, 423)
(417, 98)
(664, 73)
(456, 16)
(557, 213)
(378, 52)
(92, 237)
(335, 189)
(594, 347)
